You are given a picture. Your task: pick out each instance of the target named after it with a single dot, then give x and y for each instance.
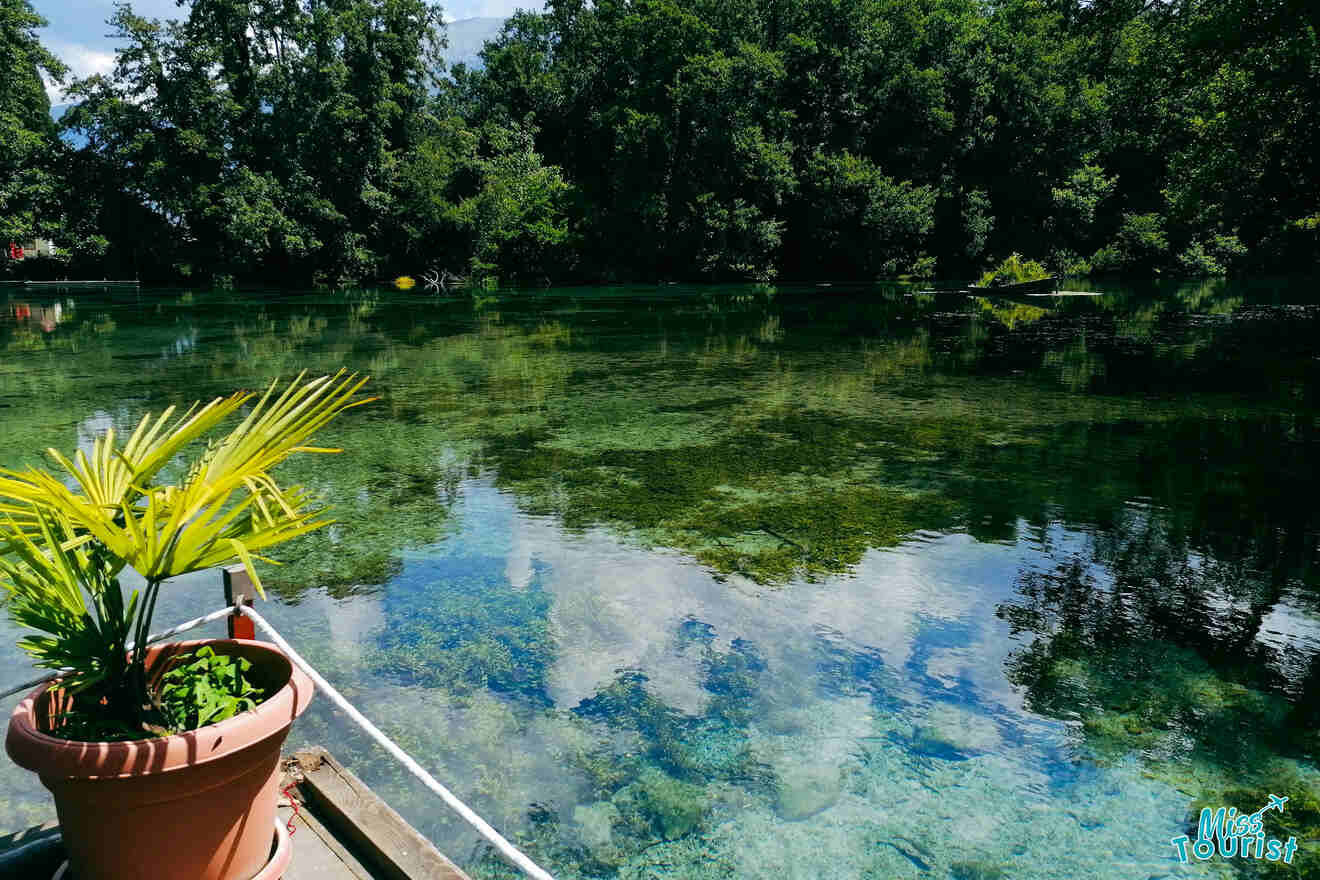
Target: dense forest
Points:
(322, 140)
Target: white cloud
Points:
(617, 606)
(461, 9)
(82, 61)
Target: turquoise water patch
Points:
(776, 582)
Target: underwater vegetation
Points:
(779, 500)
(458, 625)
(1176, 673)
(1137, 464)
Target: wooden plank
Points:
(386, 843)
(239, 583)
(317, 854)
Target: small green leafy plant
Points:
(204, 688)
(67, 533)
(1014, 270)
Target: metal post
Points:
(237, 583)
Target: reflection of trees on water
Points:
(758, 430)
(1142, 583)
(1199, 659)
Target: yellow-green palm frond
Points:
(18, 515)
(39, 491)
(232, 527)
(227, 507)
(276, 428)
(48, 572)
(204, 522)
(66, 592)
(109, 475)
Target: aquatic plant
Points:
(1014, 270)
(1147, 677)
(661, 804)
(472, 631)
(977, 871)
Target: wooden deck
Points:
(355, 823)
(342, 831)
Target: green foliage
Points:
(273, 138)
(862, 223)
(1067, 264)
(1014, 270)
(67, 594)
(1077, 208)
(516, 217)
(1213, 257)
(29, 181)
(206, 688)
(1141, 247)
(70, 530)
(673, 139)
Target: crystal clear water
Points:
(753, 582)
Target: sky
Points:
(77, 33)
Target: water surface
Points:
(746, 582)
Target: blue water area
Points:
(764, 582)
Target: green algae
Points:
(656, 803)
(762, 448)
(977, 871)
(1217, 726)
(1300, 818)
(724, 502)
(736, 445)
(472, 631)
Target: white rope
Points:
(506, 849)
(151, 639)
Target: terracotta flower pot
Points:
(195, 806)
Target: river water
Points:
(774, 582)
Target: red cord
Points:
(293, 803)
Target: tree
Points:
(266, 136)
(516, 217)
(29, 185)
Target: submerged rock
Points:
(806, 790)
(669, 806)
(596, 828)
(954, 733)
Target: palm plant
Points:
(67, 533)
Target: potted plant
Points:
(162, 759)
